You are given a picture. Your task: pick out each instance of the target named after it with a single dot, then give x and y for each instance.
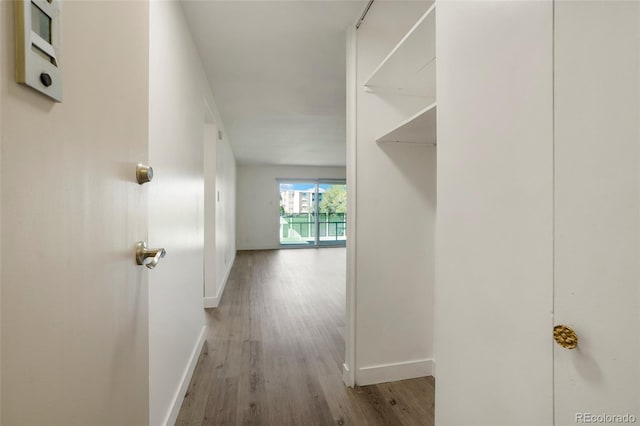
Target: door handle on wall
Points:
(148, 257)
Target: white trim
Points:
(347, 376)
(178, 398)
(260, 247)
(396, 371)
(213, 302)
(350, 366)
(209, 116)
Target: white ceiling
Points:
(277, 69)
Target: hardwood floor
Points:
(275, 349)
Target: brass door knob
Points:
(565, 336)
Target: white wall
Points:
(495, 193)
(395, 217)
(258, 205)
(179, 96)
(220, 214)
(74, 304)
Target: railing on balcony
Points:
(300, 228)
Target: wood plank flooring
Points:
(275, 350)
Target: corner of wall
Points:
(214, 301)
(186, 379)
(395, 371)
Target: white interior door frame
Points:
(349, 368)
(210, 291)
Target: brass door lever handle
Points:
(148, 257)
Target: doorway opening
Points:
(313, 213)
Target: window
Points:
(313, 213)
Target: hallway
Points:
(275, 348)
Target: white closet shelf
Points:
(410, 67)
(419, 129)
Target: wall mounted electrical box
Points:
(38, 46)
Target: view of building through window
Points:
(313, 213)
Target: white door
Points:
(74, 303)
(597, 210)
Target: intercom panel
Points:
(38, 46)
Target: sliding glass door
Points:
(332, 213)
(313, 212)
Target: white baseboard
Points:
(213, 302)
(346, 376)
(186, 379)
(397, 371)
(259, 247)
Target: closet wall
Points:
(396, 200)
